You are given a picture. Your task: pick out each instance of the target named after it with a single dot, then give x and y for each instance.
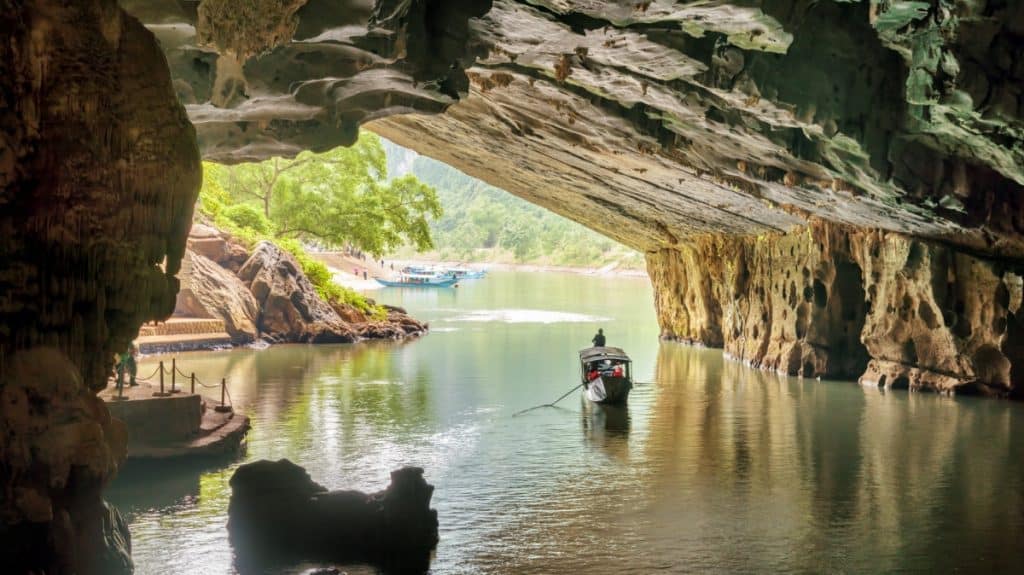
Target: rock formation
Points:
(59, 448)
(214, 245)
(277, 512)
(678, 129)
(290, 309)
(879, 144)
(99, 171)
(829, 300)
(211, 291)
(210, 288)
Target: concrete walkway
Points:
(174, 425)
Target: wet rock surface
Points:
(290, 309)
(842, 302)
(278, 513)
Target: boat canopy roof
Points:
(595, 353)
(420, 275)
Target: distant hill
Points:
(484, 223)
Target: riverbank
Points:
(342, 264)
(238, 294)
(609, 270)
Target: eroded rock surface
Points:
(649, 121)
(211, 291)
(277, 512)
(685, 130)
(830, 300)
(290, 309)
(99, 171)
(276, 78)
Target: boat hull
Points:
(427, 284)
(608, 390)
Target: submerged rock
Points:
(290, 308)
(278, 513)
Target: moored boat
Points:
(457, 273)
(466, 273)
(607, 374)
(420, 280)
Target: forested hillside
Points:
(484, 223)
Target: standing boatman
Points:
(598, 340)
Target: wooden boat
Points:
(420, 280)
(607, 374)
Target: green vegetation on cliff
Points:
(334, 199)
(484, 223)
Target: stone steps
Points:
(188, 342)
(183, 326)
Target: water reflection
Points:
(826, 476)
(713, 468)
(606, 427)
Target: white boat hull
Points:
(595, 391)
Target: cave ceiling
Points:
(649, 121)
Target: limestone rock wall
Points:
(269, 78)
(215, 292)
(99, 170)
(289, 308)
(673, 127)
(829, 300)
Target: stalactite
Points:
(104, 175)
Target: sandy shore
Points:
(341, 266)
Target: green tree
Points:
(338, 197)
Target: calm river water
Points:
(712, 468)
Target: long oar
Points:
(552, 404)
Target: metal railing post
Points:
(174, 375)
(161, 377)
(193, 383)
(223, 385)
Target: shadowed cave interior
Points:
(820, 188)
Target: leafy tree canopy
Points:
(341, 197)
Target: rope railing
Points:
(226, 403)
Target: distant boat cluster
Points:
(432, 276)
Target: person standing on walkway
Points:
(598, 340)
